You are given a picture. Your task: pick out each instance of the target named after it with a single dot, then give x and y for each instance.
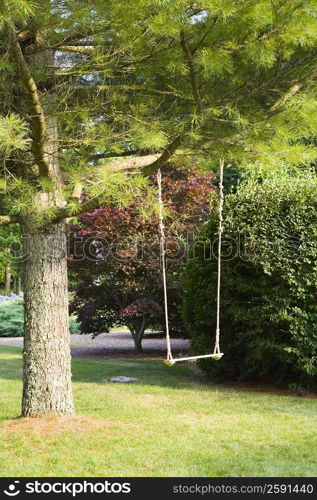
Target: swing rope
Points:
(163, 264)
(220, 230)
(216, 354)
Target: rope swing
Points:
(170, 361)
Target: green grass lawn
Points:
(168, 424)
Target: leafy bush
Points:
(12, 318)
(95, 307)
(74, 326)
(269, 285)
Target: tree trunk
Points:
(8, 278)
(138, 343)
(139, 332)
(47, 362)
(17, 285)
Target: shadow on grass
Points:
(98, 372)
(147, 372)
(155, 373)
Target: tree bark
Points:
(138, 343)
(17, 284)
(8, 276)
(139, 333)
(46, 368)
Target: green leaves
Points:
(263, 55)
(120, 188)
(3, 185)
(15, 11)
(149, 137)
(6, 67)
(224, 9)
(163, 24)
(117, 79)
(269, 313)
(216, 62)
(13, 134)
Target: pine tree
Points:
(97, 95)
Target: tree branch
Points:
(80, 49)
(273, 110)
(133, 162)
(294, 89)
(134, 88)
(198, 45)
(149, 164)
(74, 35)
(250, 90)
(77, 191)
(163, 158)
(100, 156)
(193, 73)
(38, 126)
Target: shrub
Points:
(269, 285)
(95, 307)
(74, 326)
(12, 318)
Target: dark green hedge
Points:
(269, 283)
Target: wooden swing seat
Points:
(192, 359)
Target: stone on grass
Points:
(121, 379)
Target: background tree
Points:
(10, 265)
(116, 251)
(97, 81)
